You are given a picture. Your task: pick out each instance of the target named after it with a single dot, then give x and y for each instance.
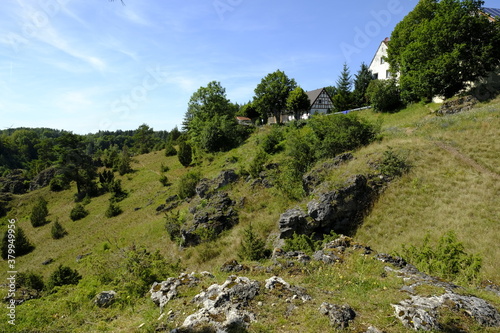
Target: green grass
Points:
(444, 190)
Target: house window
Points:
(388, 74)
(382, 61)
(375, 76)
(319, 101)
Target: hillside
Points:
(452, 185)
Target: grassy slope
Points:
(443, 191)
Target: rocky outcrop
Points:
(206, 187)
(43, 178)
(163, 292)
(457, 105)
(224, 307)
(105, 298)
(341, 210)
(285, 289)
(210, 219)
(340, 315)
(422, 313)
(14, 182)
(313, 178)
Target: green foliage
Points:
(164, 168)
(272, 143)
(173, 225)
(384, 95)
(393, 164)
(447, 259)
(185, 154)
(170, 149)
(187, 184)
(256, 165)
(144, 139)
(272, 93)
(361, 82)
(39, 213)
(143, 268)
(307, 244)
(59, 183)
(336, 134)
(252, 247)
(15, 244)
(298, 102)
(113, 210)
(440, 47)
(57, 231)
(30, 280)
(63, 275)
(78, 212)
(164, 180)
(343, 99)
(123, 165)
(117, 192)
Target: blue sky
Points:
(90, 65)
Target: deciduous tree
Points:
(298, 102)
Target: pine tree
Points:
(185, 154)
(343, 99)
(39, 213)
(252, 246)
(58, 231)
(361, 82)
(21, 244)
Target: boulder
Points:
(292, 221)
(422, 313)
(207, 188)
(285, 289)
(223, 307)
(105, 298)
(340, 315)
(233, 266)
(163, 292)
(457, 105)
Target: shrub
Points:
(18, 242)
(164, 168)
(392, 164)
(170, 149)
(30, 280)
(39, 213)
(252, 247)
(447, 259)
(164, 180)
(187, 185)
(185, 154)
(272, 143)
(58, 231)
(256, 165)
(63, 275)
(173, 224)
(384, 95)
(78, 212)
(113, 210)
(58, 183)
(300, 242)
(117, 193)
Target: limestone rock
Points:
(43, 178)
(224, 306)
(285, 289)
(340, 315)
(163, 292)
(105, 298)
(292, 221)
(457, 105)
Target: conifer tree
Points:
(58, 231)
(39, 213)
(343, 99)
(21, 244)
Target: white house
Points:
(378, 66)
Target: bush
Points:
(252, 247)
(58, 231)
(58, 183)
(117, 193)
(173, 224)
(113, 210)
(39, 213)
(164, 168)
(256, 166)
(78, 212)
(384, 95)
(392, 164)
(164, 180)
(185, 154)
(187, 185)
(307, 244)
(447, 259)
(63, 275)
(17, 241)
(30, 280)
(272, 143)
(170, 149)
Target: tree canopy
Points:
(271, 94)
(440, 47)
(298, 102)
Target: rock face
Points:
(457, 105)
(340, 315)
(13, 183)
(314, 177)
(285, 289)
(209, 220)
(105, 298)
(340, 210)
(421, 313)
(206, 187)
(223, 307)
(43, 178)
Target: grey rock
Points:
(458, 105)
(292, 221)
(286, 289)
(43, 178)
(163, 292)
(340, 315)
(421, 313)
(105, 298)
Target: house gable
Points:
(378, 66)
(321, 102)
